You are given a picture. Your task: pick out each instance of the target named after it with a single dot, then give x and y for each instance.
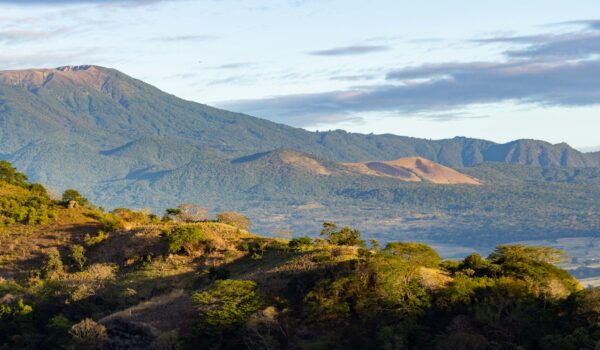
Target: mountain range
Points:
(124, 142)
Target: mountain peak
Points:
(78, 68)
(86, 76)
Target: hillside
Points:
(86, 279)
(414, 169)
(78, 117)
(123, 142)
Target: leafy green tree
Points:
(523, 252)
(77, 255)
(171, 214)
(53, 265)
(474, 261)
(38, 189)
(186, 239)
(74, 195)
(227, 305)
(10, 175)
(417, 253)
(344, 236)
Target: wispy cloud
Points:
(591, 23)
(18, 35)
(350, 50)
(235, 65)
(186, 38)
(550, 70)
(354, 77)
(51, 58)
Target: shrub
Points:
(170, 214)
(77, 255)
(131, 216)
(90, 240)
(88, 334)
(10, 175)
(27, 208)
(189, 212)
(53, 265)
(84, 284)
(58, 332)
(112, 222)
(227, 304)
(300, 243)
(522, 252)
(74, 195)
(344, 236)
(186, 239)
(234, 219)
(417, 253)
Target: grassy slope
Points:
(23, 246)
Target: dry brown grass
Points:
(434, 279)
(22, 246)
(163, 313)
(413, 169)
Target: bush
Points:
(417, 253)
(184, 239)
(10, 175)
(90, 240)
(112, 222)
(234, 219)
(77, 255)
(190, 212)
(344, 236)
(300, 243)
(26, 208)
(88, 334)
(132, 216)
(522, 253)
(53, 265)
(74, 195)
(227, 304)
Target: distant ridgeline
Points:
(82, 278)
(123, 142)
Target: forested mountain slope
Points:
(105, 113)
(124, 142)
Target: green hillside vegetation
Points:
(20, 201)
(86, 279)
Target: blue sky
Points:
(498, 70)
